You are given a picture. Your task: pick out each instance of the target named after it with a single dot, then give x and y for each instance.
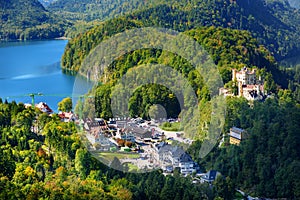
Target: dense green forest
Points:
(228, 48)
(27, 20)
(89, 10)
(225, 46)
(44, 158)
(274, 24)
(52, 163)
(269, 23)
(266, 163)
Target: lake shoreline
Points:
(63, 38)
(33, 40)
(34, 67)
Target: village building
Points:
(175, 156)
(98, 134)
(187, 165)
(66, 116)
(42, 106)
(139, 134)
(210, 176)
(236, 135)
(97, 125)
(128, 136)
(100, 142)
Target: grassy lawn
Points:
(119, 155)
(132, 167)
(167, 126)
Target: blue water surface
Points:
(34, 67)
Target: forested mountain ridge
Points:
(89, 10)
(226, 53)
(274, 23)
(28, 19)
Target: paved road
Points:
(172, 134)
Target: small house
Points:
(236, 135)
(210, 176)
(176, 157)
(42, 106)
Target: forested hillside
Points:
(28, 19)
(275, 24)
(52, 163)
(266, 163)
(228, 48)
(42, 157)
(89, 10)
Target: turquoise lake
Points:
(34, 67)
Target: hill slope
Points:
(98, 9)
(28, 19)
(274, 23)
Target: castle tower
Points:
(233, 74)
(240, 89)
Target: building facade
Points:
(236, 135)
(245, 76)
(248, 85)
(175, 156)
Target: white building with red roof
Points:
(42, 106)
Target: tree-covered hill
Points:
(226, 46)
(98, 9)
(266, 164)
(229, 48)
(274, 23)
(28, 19)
